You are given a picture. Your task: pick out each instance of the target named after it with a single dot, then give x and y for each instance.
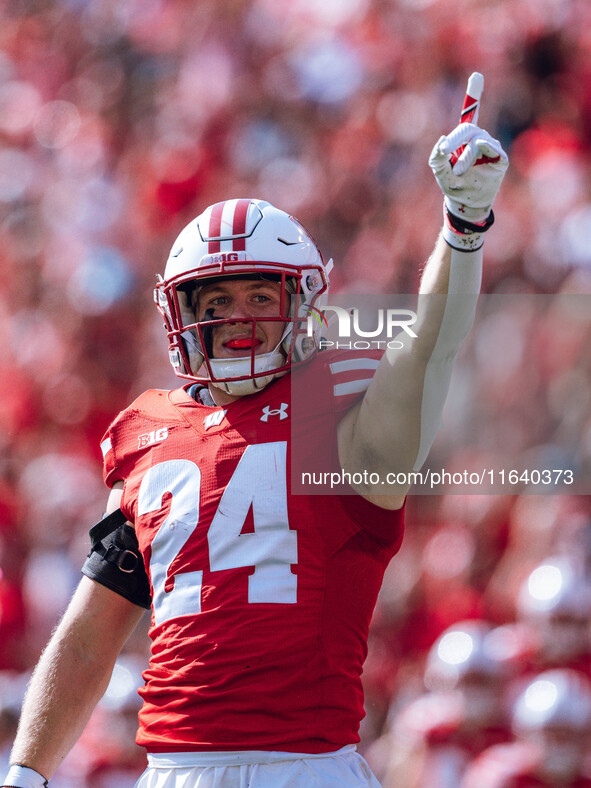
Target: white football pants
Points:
(344, 768)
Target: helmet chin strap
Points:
(252, 385)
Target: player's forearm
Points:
(72, 675)
(400, 415)
(447, 323)
(66, 685)
(452, 271)
(445, 311)
(435, 278)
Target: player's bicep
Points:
(115, 560)
(381, 432)
(351, 457)
(114, 499)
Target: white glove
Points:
(471, 184)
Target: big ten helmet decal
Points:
(244, 238)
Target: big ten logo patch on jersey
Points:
(281, 411)
(214, 419)
(150, 438)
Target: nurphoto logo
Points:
(313, 311)
(388, 322)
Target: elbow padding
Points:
(115, 560)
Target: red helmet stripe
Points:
(239, 225)
(215, 226)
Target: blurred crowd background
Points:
(120, 120)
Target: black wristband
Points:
(465, 227)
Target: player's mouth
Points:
(241, 343)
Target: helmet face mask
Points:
(260, 242)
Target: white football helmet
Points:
(555, 698)
(553, 713)
(555, 599)
(465, 649)
(466, 660)
(244, 238)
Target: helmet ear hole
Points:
(308, 346)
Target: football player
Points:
(553, 609)
(436, 735)
(552, 723)
(260, 599)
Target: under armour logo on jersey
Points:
(149, 438)
(213, 419)
(280, 411)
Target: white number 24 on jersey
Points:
(259, 480)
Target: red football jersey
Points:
(261, 599)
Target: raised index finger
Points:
(470, 107)
(472, 98)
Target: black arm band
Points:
(115, 560)
(465, 227)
